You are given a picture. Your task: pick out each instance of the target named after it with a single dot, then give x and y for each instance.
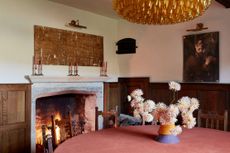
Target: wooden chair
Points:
(213, 120)
(110, 118)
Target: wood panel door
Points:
(15, 118)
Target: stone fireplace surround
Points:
(43, 86)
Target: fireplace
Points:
(62, 115)
(90, 92)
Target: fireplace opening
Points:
(62, 116)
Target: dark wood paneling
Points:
(159, 92)
(111, 96)
(17, 140)
(212, 96)
(127, 85)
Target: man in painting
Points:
(200, 66)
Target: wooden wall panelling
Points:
(215, 98)
(188, 90)
(112, 96)
(1, 109)
(15, 128)
(159, 92)
(16, 106)
(1, 138)
(17, 141)
(127, 85)
(62, 47)
(212, 96)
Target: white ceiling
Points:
(101, 7)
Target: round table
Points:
(141, 139)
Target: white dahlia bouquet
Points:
(149, 111)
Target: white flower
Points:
(149, 105)
(189, 121)
(184, 104)
(139, 107)
(149, 110)
(136, 114)
(147, 117)
(134, 103)
(173, 109)
(194, 104)
(174, 86)
(139, 99)
(161, 105)
(137, 92)
(177, 130)
(129, 98)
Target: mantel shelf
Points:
(64, 79)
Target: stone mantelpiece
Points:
(68, 79)
(42, 86)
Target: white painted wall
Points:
(159, 53)
(17, 18)
(160, 48)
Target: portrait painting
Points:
(201, 57)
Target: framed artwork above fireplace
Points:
(63, 47)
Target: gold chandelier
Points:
(160, 11)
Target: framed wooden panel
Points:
(62, 47)
(17, 140)
(16, 106)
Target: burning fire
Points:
(57, 117)
(48, 126)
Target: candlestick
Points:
(70, 69)
(103, 69)
(39, 67)
(33, 68)
(76, 69)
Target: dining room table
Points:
(143, 139)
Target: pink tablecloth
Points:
(140, 139)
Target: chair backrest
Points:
(213, 120)
(110, 118)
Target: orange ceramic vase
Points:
(165, 129)
(165, 135)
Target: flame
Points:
(58, 134)
(48, 123)
(57, 117)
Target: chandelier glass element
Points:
(160, 11)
